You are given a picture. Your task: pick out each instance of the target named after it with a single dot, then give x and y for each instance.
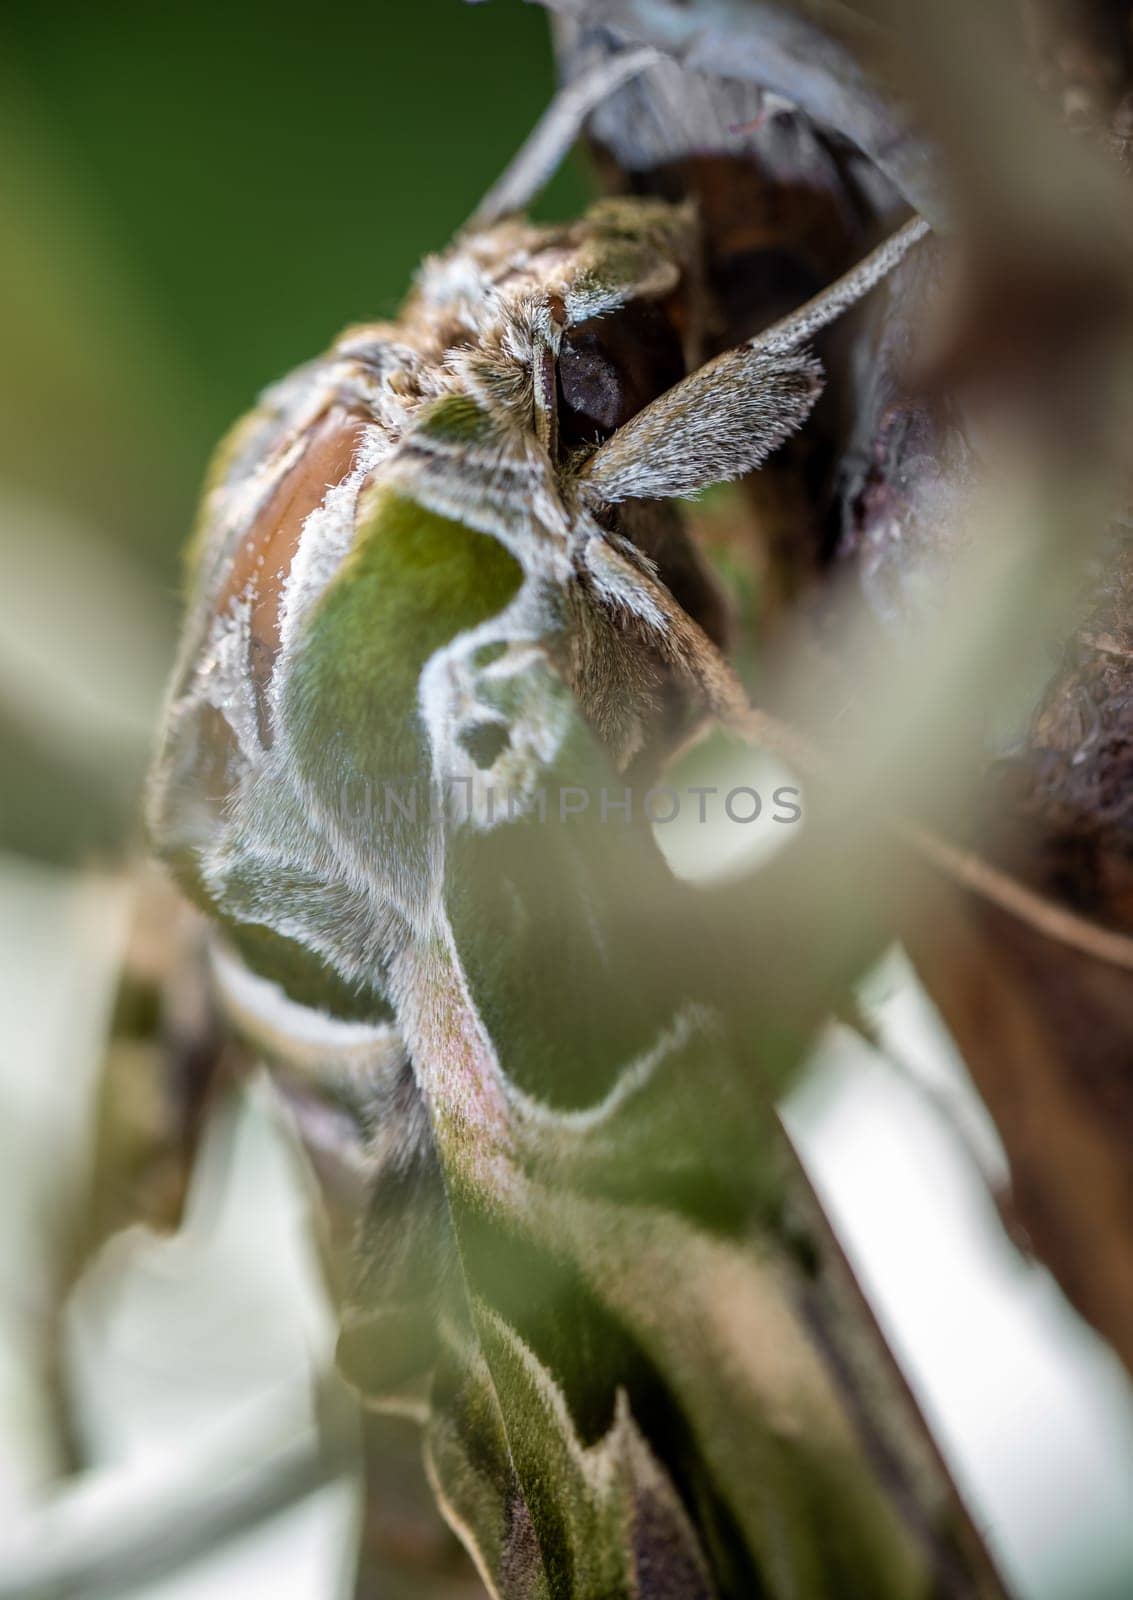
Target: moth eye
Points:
(611, 366)
(485, 742)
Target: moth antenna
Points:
(828, 305)
(726, 418)
(549, 142)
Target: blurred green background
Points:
(193, 198)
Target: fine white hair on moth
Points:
(726, 418)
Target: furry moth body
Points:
(539, 381)
(445, 554)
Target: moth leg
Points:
(726, 418)
(829, 304)
(548, 143)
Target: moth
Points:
(447, 556)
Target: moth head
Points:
(585, 362)
(556, 339)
